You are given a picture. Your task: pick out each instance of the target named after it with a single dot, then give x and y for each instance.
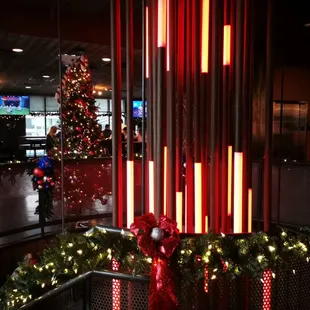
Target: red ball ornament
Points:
(52, 184)
(39, 173)
(40, 182)
(79, 129)
(49, 179)
(91, 153)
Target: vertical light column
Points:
(147, 53)
(225, 117)
(180, 29)
(117, 161)
(205, 36)
(215, 121)
(229, 181)
(250, 210)
(226, 49)
(150, 110)
(238, 121)
(204, 55)
(198, 198)
(162, 23)
(170, 151)
(179, 210)
(161, 105)
(168, 12)
(245, 112)
(165, 179)
(130, 127)
(151, 187)
(130, 192)
(269, 120)
(196, 35)
(189, 120)
(238, 167)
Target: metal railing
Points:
(289, 289)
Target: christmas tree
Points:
(81, 131)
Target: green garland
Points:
(75, 254)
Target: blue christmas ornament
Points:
(45, 163)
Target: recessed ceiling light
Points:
(28, 87)
(99, 93)
(46, 76)
(17, 50)
(106, 59)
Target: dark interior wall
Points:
(296, 87)
(11, 129)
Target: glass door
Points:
(290, 130)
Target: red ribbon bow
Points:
(158, 240)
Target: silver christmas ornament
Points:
(157, 234)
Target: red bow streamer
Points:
(158, 240)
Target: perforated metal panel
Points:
(122, 294)
(289, 290)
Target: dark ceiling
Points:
(85, 26)
(32, 25)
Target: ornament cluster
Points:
(43, 174)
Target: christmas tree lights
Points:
(80, 129)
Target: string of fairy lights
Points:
(43, 114)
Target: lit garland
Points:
(229, 256)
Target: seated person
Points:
(124, 134)
(138, 136)
(107, 132)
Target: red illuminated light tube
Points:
(226, 45)
(198, 198)
(130, 192)
(162, 23)
(147, 68)
(205, 36)
(238, 170)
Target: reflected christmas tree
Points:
(81, 130)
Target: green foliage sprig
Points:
(227, 255)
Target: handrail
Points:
(84, 277)
(57, 291)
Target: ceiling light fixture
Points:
(106, 59)
(46, 76)
(94, 91)
(17, 50)
(28, 87)
(99, 93)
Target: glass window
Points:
(102, 104)
(52, 104)
(36, 104)
(52, 120)
(35, 126)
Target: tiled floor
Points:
(84, 181)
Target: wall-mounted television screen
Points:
(14, 105)
(138, 109)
